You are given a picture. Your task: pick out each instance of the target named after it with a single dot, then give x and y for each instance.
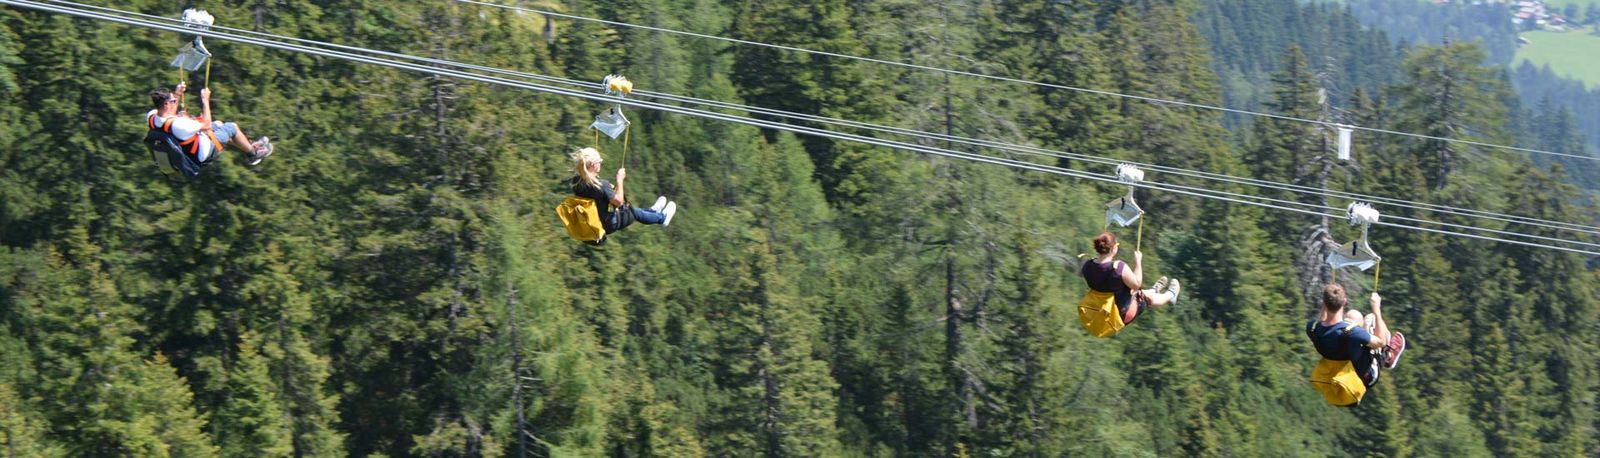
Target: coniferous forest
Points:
(393, 281)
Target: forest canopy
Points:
(393, 281)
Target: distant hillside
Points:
(1417, 21)
(1248, 39)
(1358, 44)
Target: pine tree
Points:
(827, 86)
(23, 431)
(1228, 270)
(1448, 95)
(548, 382)
(1053, 43)
(1547, 276)
(776, 395)
(1284, 148)
(250, 421)
(1447, 431)
(103, 396)
(1031, 383)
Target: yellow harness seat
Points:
(1338, 382)
(1098, 311)
(581, 216)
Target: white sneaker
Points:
(263, 148)
(1173, 288)
(671, 209)
(661, 202)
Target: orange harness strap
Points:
(193, 143)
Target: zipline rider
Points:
(199, 137)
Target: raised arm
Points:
(616, 198)
(1380, 335)
(1135, 278)
(205, 108)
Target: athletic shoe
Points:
(263, 148)
(1173, 288)
(671, 209)
(1392, 351)
(661, 202)
(1161, 285)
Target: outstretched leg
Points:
(242, 142)
(232, 134)
(647, 216)
(1165, 297)
(1158, 299)
(1381, 329)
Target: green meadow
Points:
(1571, 54)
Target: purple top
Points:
(1107, 278)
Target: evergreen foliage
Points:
(392, 281)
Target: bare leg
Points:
(1157, 299)
(242, 142)
(1383, 329)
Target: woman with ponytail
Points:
(611, 202)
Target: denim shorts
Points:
(224, 131)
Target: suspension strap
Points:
(625, 147)
(181, 79)
(1377, 272)
(1140, 238)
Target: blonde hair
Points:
(583, 158)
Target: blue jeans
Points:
(648, 216)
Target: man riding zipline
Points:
(1352, 346)
(197, 139)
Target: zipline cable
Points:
(718, 116)
(1443, 209)
(1022, 81)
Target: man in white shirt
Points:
(201, 137)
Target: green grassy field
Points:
(1572, 54)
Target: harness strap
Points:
(193, 143)
(1311, 328)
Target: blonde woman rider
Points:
(615, 211)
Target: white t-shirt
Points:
(184, 128)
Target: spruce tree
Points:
(1448, 95)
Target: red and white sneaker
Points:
(1392, 351)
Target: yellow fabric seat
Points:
(582, 218)
(1338, 382)
(1098, 311)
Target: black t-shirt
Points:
(602, 200)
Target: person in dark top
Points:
(615, 211)
(1345, 335)
(1106, 275)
